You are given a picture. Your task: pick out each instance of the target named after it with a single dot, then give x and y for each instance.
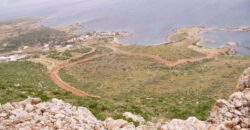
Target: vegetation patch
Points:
(169, 51)
(36, 37)
(101, 50)
(139, 85)
(82, 50)
(177, 37)
(18, 80)
(60, 55)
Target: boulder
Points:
(191, 123)
(56, 114)
(247, 94)
(111, 124)
(134, 117)
(29, 107)
(244, 81)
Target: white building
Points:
(13, 57)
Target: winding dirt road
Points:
(53, 73)
(161, 60)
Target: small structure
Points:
(13, 57)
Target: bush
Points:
(36, 37)
(60, 55)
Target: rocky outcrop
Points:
(244, 81)
(120, 124)
(191, 123)
(32, 114)
(234, 114)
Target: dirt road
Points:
(62, 84)
(53, 73)
(161, 60)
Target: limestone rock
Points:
(32, 114)
(111, 124)
(247, 94)
(191, 123)
(244, 81)
(135, 118)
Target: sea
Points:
(149, 21)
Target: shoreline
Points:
(77, 27)
(201, 30)
(192, 32)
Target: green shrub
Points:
(36, 37)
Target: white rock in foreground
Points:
(135, 118)
(31, 114)
(191, 123)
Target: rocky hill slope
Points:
(32, 114)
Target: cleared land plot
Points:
(170, 52)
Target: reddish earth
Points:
(161, 60)
(53, 73)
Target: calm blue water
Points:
(218, 39)
(150, 21)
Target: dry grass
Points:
(166, 51)
(148, 86)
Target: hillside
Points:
(124, 65)
(176, 79)
(231, 114)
